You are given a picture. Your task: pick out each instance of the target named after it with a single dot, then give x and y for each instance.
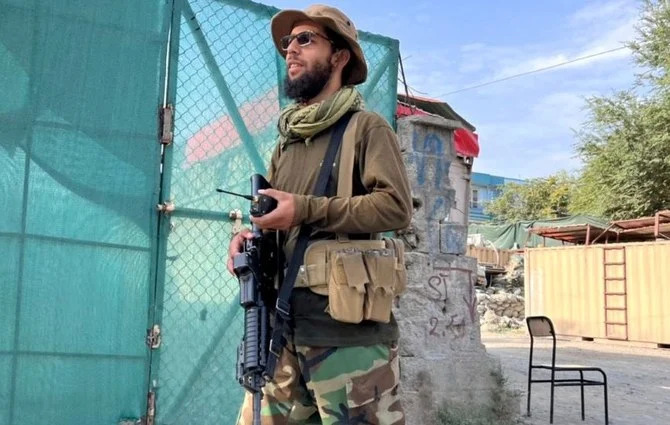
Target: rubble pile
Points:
(500, 310)
(501, 306)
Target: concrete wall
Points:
(442, 357)
(459, 176)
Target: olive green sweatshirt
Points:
(381, 202)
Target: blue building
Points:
(483, 189)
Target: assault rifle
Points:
(255, 267)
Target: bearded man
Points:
(330, 371)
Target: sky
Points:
(526, 125)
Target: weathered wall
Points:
(442, 354)
(459, 177)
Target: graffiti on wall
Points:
(427, 149)
(449, 324)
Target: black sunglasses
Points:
(304, 38)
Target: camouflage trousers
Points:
(331, 386)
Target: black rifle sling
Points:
(283, 307)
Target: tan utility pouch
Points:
(380, 265)
(398, 247)
(346, 286)
(361, 278)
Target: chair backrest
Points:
(539, 326)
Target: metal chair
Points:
(541, 326)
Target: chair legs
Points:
(551, 405)
(581, 381)
(529, 390)
(607, 419)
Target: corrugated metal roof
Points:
(436, 107)
(637, 223)
(634, 230)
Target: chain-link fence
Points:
(227, 103)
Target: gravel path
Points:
(639, 380)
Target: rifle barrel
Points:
(257, 408)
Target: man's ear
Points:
(341, 58)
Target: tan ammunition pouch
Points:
(360, 277)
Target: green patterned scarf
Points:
(299, 122)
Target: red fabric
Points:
(405, 111)
(467, 142)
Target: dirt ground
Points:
(638, 378)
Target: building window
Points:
(474, 199)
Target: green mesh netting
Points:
(88, 265)
(80, 82)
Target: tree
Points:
(540, 198)
(625, 144)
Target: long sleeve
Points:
(386, 206)
(272, 169)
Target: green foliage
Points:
(652, 47)
(625, 144)
(536, 199)
(626, 151)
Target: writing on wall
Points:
(450, 324)
(430, 159)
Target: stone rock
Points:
(491, 317)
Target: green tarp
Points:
(516, 235)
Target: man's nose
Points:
(293, 47)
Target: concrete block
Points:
(453, 238)
(453, 378)
(427, 172)
(439, 310)
(435, 205)
(419, 134)
(442, 357)
(425, 224)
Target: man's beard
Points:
(309, 84)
